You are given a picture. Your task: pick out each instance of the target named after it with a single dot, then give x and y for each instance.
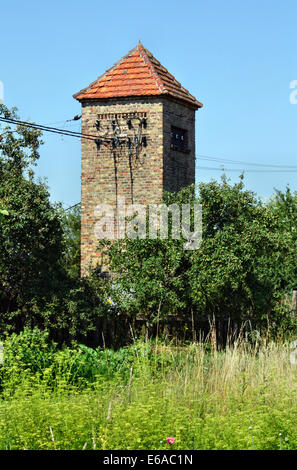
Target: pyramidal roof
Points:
(138, 73)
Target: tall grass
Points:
(241, 398)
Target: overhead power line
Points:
(266, 166)
(71, 207)
(54, 130)
(239, 162)
(242, 170)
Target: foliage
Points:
(284, 205)
(31, 238)
(33, 353)
(243, 270)
(223, 400)
(246, 264)
(151, 274)
(71, 229)
(39, 249)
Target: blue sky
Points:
(238, 58)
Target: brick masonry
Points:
(108, 173)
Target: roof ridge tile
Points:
(145, 58)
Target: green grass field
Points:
(241, 398)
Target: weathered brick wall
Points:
(179, 166)
(108, 173)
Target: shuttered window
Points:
(179, 139)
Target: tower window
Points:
(179, 139)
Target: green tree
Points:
(151, 275)
(71, 227)
(39, 256)
(242, 271)
(284, 205)
(244, 267)
(31, 236)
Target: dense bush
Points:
(78, 398)
(39, 249)
(71, 228)
(32, 353)
(244, 270)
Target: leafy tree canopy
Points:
(39, 248)
(31, 236)
(244, 269)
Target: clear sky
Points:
(237, 57)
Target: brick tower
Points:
(145, 123)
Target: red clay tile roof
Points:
(137, 74)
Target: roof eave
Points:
(194, 104)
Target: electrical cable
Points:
(70, 133)
(292, 170)
(49, 129)
(239, 162)
(71, 207)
